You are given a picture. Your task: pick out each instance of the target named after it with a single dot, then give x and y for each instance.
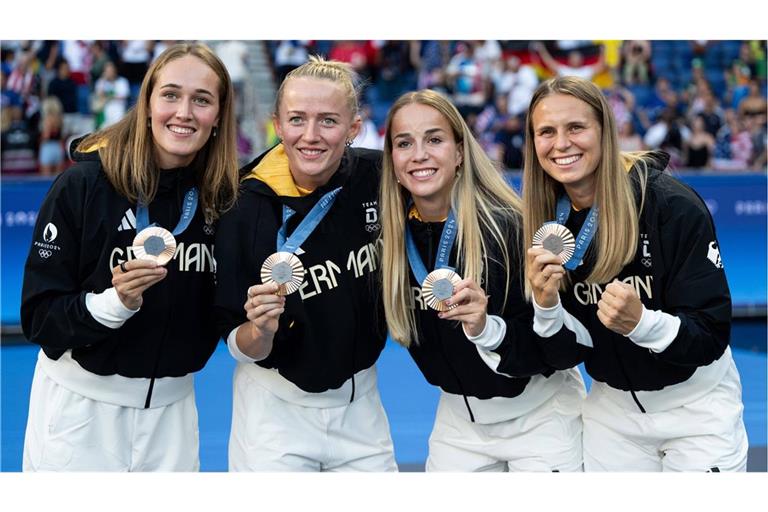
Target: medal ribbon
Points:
(586, 233)
(307, 225)
(450, 229)
(187, 212)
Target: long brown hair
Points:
(480, 197)
(616, 236)
(127, 148)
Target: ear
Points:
(459, 155)
(354, 129)
(276, 125)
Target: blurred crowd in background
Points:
(704, 102)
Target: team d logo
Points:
(372, 219)
(713, 255)
(50, 232)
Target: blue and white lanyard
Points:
(307, 225)
(586, 233)
(187, 212)
(443, 251)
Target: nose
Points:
(562, 142)
(420, 152)
(311, 132)
(185, 110)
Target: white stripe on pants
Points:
(69, 432)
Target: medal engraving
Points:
(438, 287)
(557, 239)
(156, 244)
(285, 269)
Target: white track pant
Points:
(705, 435)
(69, 432)
(547, 438)
(271, 434)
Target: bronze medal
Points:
(156, 244)
(557, 239)
(438, 287)
(285, 269)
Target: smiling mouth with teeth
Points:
(566, 160)
(422, 173)
(181, 130)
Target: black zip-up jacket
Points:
(677, 270)
(444, 354)
(83, 230)
(331, 327)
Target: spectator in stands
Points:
(122, 335)
(469, 86)
(574, 66)
(19, 143)
(517, 81)
(636, 57)
(643, 296)
(99, 59)
(668, 133)
(699, 148)
(134, 61)
(51, 154)
(234, 54)
(289, 55)
(445, 206)
(430, 58)
(308, 203)
(734, 144)
(65, 89)
(629, 139)
(111, 96)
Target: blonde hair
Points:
(319, 68)
(480, 199)
(616, 237)
(126, 148)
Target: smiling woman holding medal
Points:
(624, 259)
(295, 292)
(453, 295)
(119, 283)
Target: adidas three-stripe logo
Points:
(128, 221)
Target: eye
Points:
(329, 121)
(402, 144)
(576, 128)
(169, 95)
(545, 132)
(202, 100)
(435, 140)
(294, 120)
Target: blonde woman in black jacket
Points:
(453, 295)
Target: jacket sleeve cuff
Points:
(655, 331)
(107, 308)
(492, 335)
(234, 350)
(548, 321)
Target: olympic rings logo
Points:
(208, 229)
(372, 227)
(646, 262)
(44, 253)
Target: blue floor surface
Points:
(409, 401)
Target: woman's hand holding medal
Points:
(468, 305)
(545, 272)
(263, 308)
(132, 278)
